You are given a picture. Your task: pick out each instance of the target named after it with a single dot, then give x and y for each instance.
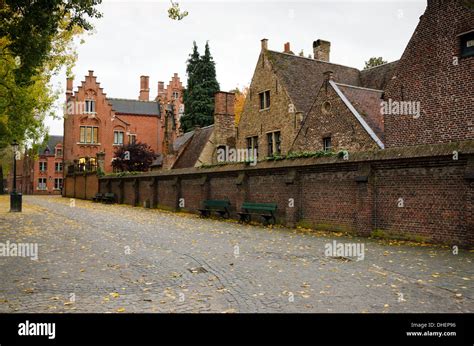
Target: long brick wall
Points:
(418, 193)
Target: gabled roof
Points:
(365, 106)
(135, 107)
(50, 145)
(302, 77)
(193, 147)
(378, 77)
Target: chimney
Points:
(161, 89)
(286, 48)
(321, 50)
(264, 42)
(144, 88)
(224, 117)
(69, 86)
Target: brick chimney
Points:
(264, 42)
(224, 118)
(69, 86)
(144, 88)
(161, 89)
(286, 48)
(321, 50)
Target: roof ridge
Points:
(311, 59)
(358, 87)
(123, 99)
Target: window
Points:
(274, 143)
(89, 134)
(58, 166)
(264, 99)
(59, 152)
(467, 44)
(90, 106)
(252, 145)
(58, 183)
(42, 184)
(175, 95)
(132, 139)
(327, 144)
(43, 166)
(118, 137)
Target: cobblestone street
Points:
(115, 258)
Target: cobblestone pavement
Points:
(116, 258)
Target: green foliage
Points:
(298, 155)
(36, 42)
(140, 158)
(374, 62)
(201, 87)
(175, 13)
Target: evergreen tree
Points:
(199, 94)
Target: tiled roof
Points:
(137, 107)
(302, 77)
(194, 147)
(377, 77)
(367, 104)
(182, 140)
(52, 142)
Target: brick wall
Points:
(427, 73)
(360, 195)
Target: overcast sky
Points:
(136, 38)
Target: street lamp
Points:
(15, 198)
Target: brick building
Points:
(95, 123)
(286, 98)
(40, 173)
(436, 70)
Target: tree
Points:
(240, 96)
(175, 13)
(201, 87)
(374, 62)
(138, 159)
(36, 41)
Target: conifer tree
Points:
(201, 87)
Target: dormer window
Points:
(467, 44)
(90, 106)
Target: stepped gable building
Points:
(436, 70)
(285, 93)
(95, 123)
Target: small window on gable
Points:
(467, 44)
(90, 106)
(264, 99)
(327, 146)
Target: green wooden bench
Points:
(98, 197)
(220, 206)
(108, 197)
(265, 210)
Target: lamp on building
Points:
(15, 198)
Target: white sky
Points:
(136, 38)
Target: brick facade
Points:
(432, 72)
(140, 120)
